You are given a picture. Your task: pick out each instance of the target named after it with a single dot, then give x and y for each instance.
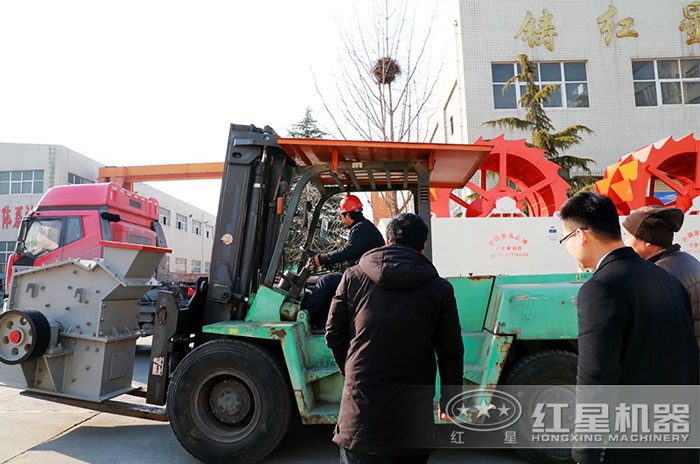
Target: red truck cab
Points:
(70, 221)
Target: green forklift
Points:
(241, 362)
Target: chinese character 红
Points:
(456, 437)
(537, 33)
(691, 24)
(608, 25)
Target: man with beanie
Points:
(649, 230)
(393, 323)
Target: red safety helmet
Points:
(350, 203)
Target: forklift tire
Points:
(229, 402)
(551, 367)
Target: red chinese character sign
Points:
(12, 215)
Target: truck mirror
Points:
(110, 217)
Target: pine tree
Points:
(307, 128)
(540, 126)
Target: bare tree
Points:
(383, 81)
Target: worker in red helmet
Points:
(364, 236)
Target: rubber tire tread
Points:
(275, 392)
(536, 369)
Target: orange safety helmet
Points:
(350, 203)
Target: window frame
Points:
(181, 222)
(162, 216)
(658, 81)
(6, 250)
(562, 83)
(74, 179)
(10, 181)
(180, 262)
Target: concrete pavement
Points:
(36, 431)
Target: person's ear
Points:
(584, 236)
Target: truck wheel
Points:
(551, 367)
(229, 402)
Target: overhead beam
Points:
(126, 176)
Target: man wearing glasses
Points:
(634, 319)
(363, 236)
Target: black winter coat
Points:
(391, 316)
(685, 268)
(635, 328)
(363, 237)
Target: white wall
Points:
(184, 243)
(488, 28)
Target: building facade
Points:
(627, 69)
(28, 170)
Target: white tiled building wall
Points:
(488, 29)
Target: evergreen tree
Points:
(307, 128)
(541, 128)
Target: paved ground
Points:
(35, 431)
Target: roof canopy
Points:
(452, 165)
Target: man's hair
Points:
(356, 215)
(409, 230)
(597, 213)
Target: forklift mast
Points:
(256, 173)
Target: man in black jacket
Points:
(391, 316)
(634, 319)
(363, 237)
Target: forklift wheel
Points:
(229, 402)
(550, 367)
(24, 335)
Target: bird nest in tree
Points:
(386, 70)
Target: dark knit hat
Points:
(654, 224)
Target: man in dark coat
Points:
(363, 236)
(391, 316)
(649, 230)
(634, 319)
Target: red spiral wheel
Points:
(631, 182)
(525, 177)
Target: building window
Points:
(196, 227)
(165, 263)
(19, 182)
(207, 265)
(73, 179)
(165, 216)
(196, 266)
(568, 77)
(208, 231)
(666, 82)
(181, 222)
(180, 264)
(6, 249)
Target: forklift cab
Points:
(330, 168)
(276, 188)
